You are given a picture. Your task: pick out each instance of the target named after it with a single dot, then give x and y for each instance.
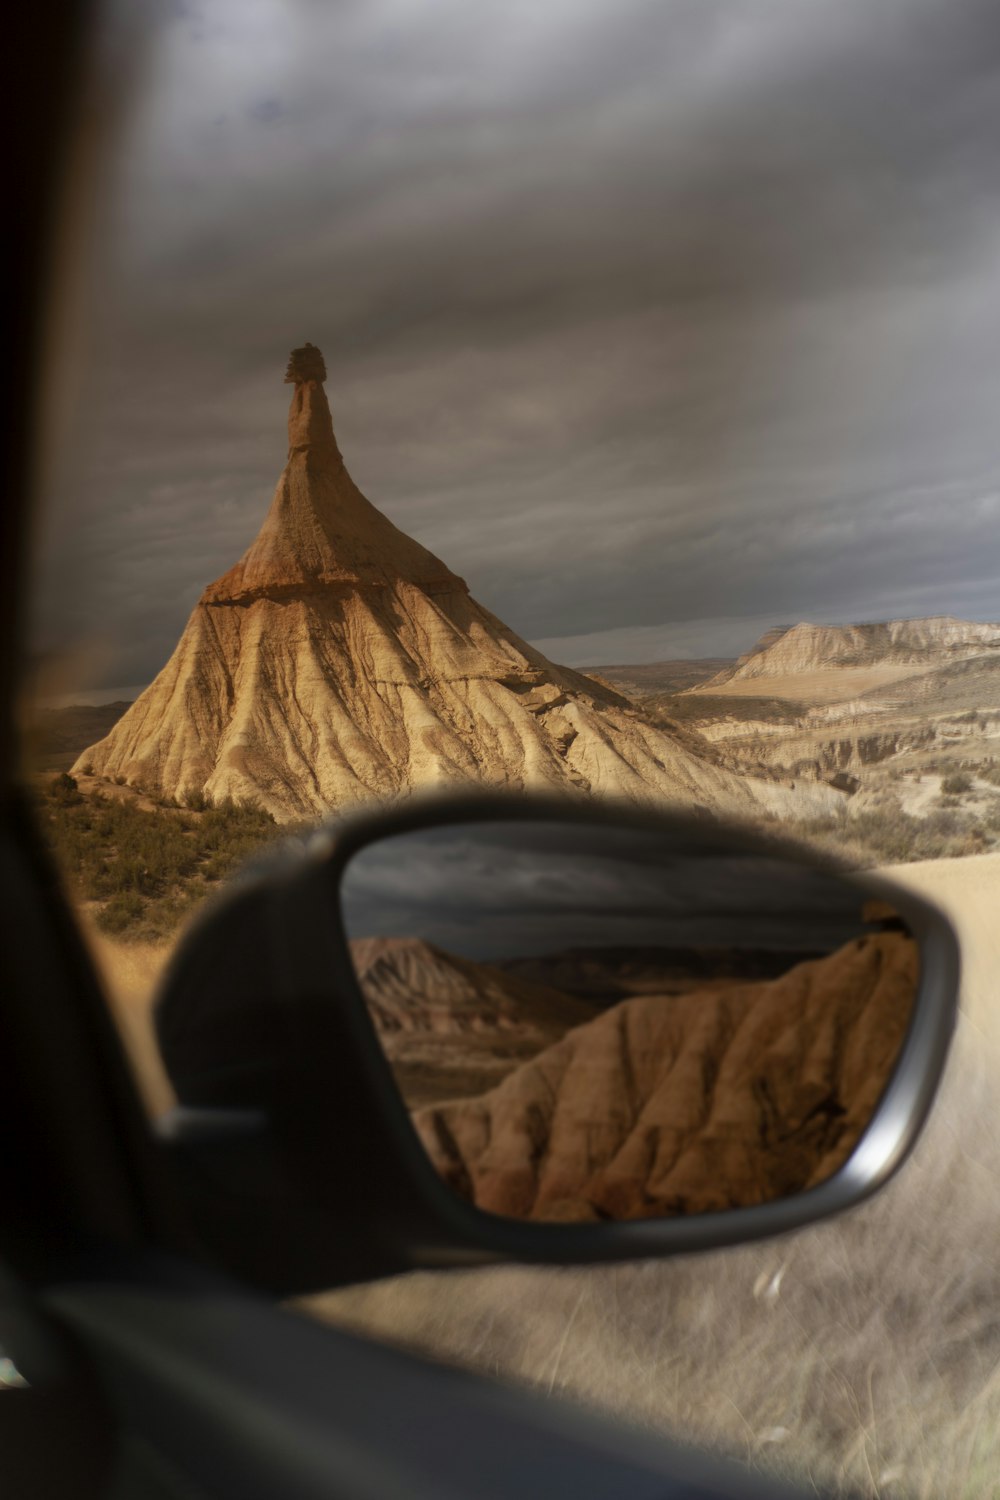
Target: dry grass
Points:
(864, 1353)
(143, 868)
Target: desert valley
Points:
(340, 663)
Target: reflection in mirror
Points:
(588, 1023)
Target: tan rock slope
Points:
(450, 1027)
(688, 1104)
(340, 660)
(411, 986)
(886, 711)
(902, 646)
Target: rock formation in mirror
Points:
(720, 1097)
(452, 1027)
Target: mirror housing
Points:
(295, 1151)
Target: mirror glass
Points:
(594, 1023)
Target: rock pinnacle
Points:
(339, 660)
(305, 364)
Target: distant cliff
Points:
(811, 648)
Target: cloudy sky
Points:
(661, 321)
(489, 891)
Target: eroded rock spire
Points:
(341, 660)
(305, 364)
(310, 425)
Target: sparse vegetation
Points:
(888, 835)
(957, 784)
(679, 708)
(146, 870)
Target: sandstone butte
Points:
(919, 643)
(688, 1104)
(340, 661)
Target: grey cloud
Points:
(266, 111)
(489, 890)
(635, 314)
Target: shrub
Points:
(120, 912)
(957, 784)
(890, 835)
(63, 788)
(147, 868)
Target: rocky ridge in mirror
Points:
(588, 1027)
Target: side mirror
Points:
(555, 1031)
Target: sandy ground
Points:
(968, 891)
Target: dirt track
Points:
(968, 890)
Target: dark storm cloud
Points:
(487, 891)
(637, 314)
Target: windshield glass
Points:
(594, 398)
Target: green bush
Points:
(146, 869)
(957, 784)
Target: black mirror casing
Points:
(297, 1155)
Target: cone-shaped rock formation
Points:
(339, 660)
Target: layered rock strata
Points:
(339, 660)
(898, 644)
(692, 1103)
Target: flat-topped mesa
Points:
(320, 531)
